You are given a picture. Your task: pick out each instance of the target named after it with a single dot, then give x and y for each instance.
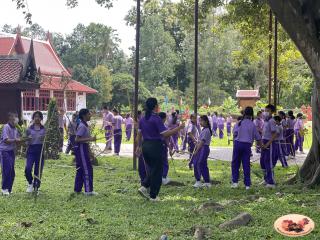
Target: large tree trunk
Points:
(301, 20)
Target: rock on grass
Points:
(210, 206)
(241, 220)
(201, 233)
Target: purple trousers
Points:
(165, 169)
(174, 140)
(228, 129)
(117, 137)
(279, 154)
(201, 164)
(108, 136)
(33, 159)
(8, 172)
(266, 163)
(214, 129)
(71, 144)
(221, 128)
(84, 175)
(241, 155)
(191, 147)
(184, 143)
(128, 132)
(290, 141)
(299, 141)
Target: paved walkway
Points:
(216, 153)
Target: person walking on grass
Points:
(35, 135)
(9, 138)
(201, 154)
(299, 133)
(117, 131)
(269, 135)
(151, 131)
(246, 133)
(84, 175)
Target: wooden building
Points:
(56, 81)
(18, 73)
(247, 98)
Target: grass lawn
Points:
(118, 212)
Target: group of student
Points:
(156, 140)
(112, 125)
(218, 122)
(274, 136)
(10, 137)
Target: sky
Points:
(55, 16)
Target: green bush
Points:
(52, 139)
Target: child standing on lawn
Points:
(201, 154)
(129, 124)
(245, 132)
(229, 125)
(279, 154)
(269, 134)
(107, 127)
(117, 131)
(165, 143)
(258, 122)
(214, 123)
(35, 133)
(220, 122)
(291, 120)
(299, 132)
(193, 136)
(9, 138)
(84, 175)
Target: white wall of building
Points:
(81, 102)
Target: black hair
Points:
(271, 107)
(162, 115)
(83, 112)
(291, 116)
(299, 115)
(174, 117)
(215, 113)
(150, 105)
(12, 114)
(115, 110)
(206, 119)
(39, 113)
(259, 112)
(277, 118)
(139, 112)
(282, 114)
(177, 111)
(248, 113)
(128, 115)
(239, 118)
(105, 106)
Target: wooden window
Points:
(71, 101)
(59, 96)
(44, 98)
(29, 100)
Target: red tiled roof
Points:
(10, 70)
(46, 58)
(6, 44)
(56, 83)
(248, 94)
